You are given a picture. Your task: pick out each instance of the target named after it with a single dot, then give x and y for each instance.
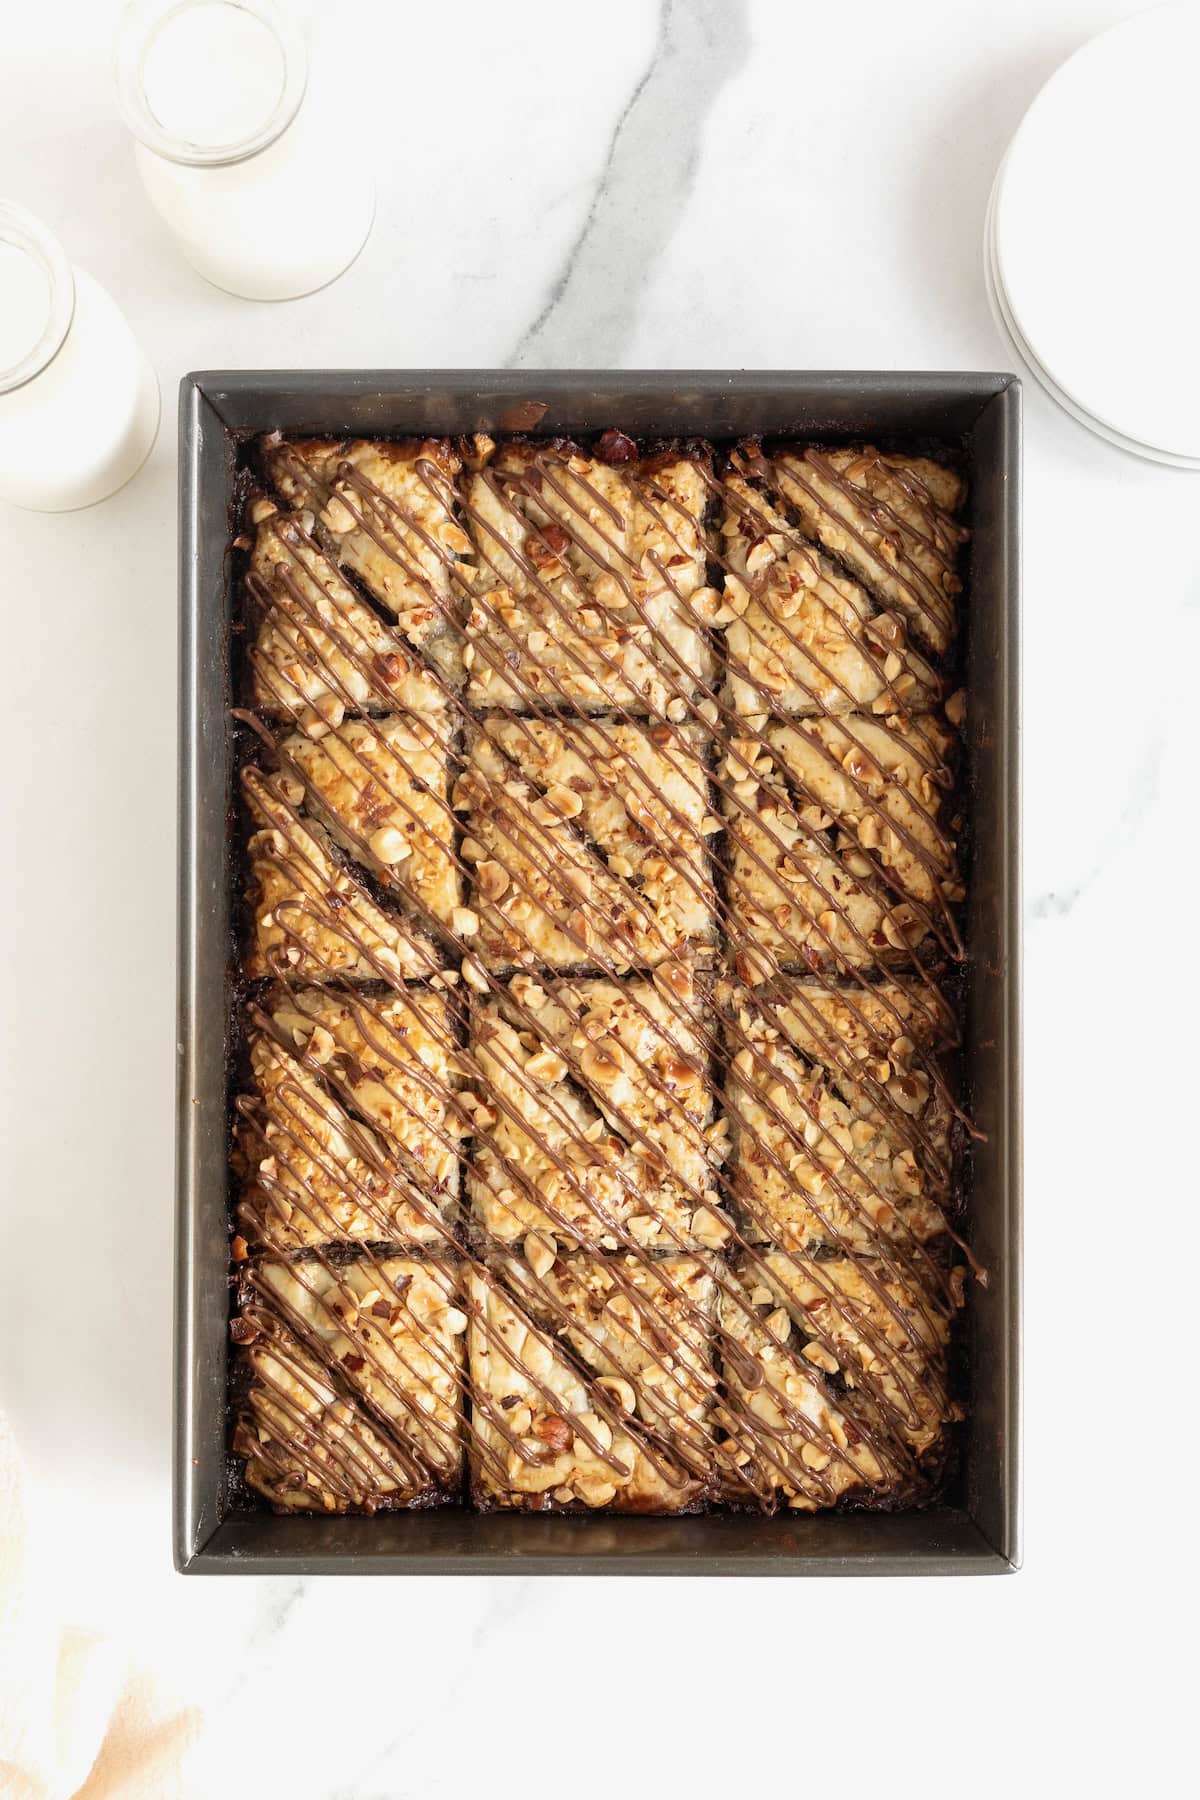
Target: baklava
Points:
(836, 1378)
(353, 1383)
(596, 1144)
(589, 591)
(352, 1129)
(592, 1383)
(589, 843)
(593, 1116)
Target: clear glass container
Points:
(79, 402)
(235, 147)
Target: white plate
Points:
(1095, 238)
(1007, 327)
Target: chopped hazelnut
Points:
(474, 975)
(492, 878)
(554, 1432)
(558, 803)
(614, 447)
(621, 1391)
(709, 1228)
(545, 546)
(540, 1252)
(389, 845)
(546, 1066)
(337, 516)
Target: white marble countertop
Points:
(707, 184)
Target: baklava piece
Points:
(354, 1379)
(314, 918)
(840, 1125)
(800, 636)
(592, 1384)
(842, 853)
(891, 521)
(593, 1120)
(590, 586)
(317, 650)
(378, 787)
(351, 1133)
(836, 1380)
(589, 841)
(386, 512)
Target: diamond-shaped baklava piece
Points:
(591, 1384)
(593, 1116)
(317, 650)
(835, 1377)
(314, 918)
(386, 511)
(354, 1376)
(589, 843)
(841, 851)
(379, 786)
(590, 586)
(840, 1126)
(891, 520)
(801, 636)
(352, 1130)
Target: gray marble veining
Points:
(647, 174)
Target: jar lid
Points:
(37, 296)
(1094, 246)
(207, 82)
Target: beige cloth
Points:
(76, 1718)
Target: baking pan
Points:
(976, 1529)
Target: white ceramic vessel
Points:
(1008, 328)
(79, 402)
(235, 149)
(1091, 255)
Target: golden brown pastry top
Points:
(602, 820)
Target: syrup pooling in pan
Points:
(676, 905)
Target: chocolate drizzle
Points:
(813, 1367)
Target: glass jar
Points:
(233, 147)
(79, 402)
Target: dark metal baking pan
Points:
(976, 1529)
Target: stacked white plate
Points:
(1092, 245)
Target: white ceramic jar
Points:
(79, 402)
(234, 149)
